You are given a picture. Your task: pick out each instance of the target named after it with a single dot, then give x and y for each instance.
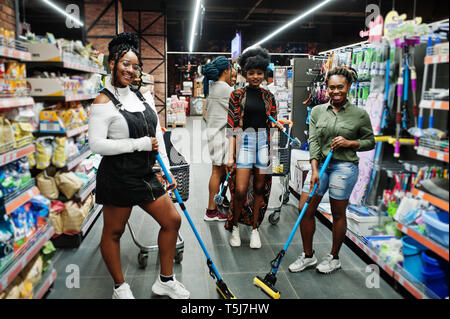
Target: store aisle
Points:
(238, 266)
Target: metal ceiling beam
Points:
(253, 9)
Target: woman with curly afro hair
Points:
(249, 140)
(125, 129)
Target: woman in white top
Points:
(124, 128)
(217, 96)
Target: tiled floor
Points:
(237, 266)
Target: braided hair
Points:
(349, 73)
(254, 58)
(120, 45)
(212, 71)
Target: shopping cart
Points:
(281, 163)
(180, 170)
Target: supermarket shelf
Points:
(15, 102)
(16, 154)
(69, 133)
(66, 98)
(442, 204)
(21, 199)
(78, 159)
(14, 54)
(397, 272)
(435, 59)
(84, 192)
(67, 65)
(90, 219)
(438, 155)
(435, 105)
(46, 281)
(24, 255)
(427, 242)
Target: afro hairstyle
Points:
(254, 58)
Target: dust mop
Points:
(268, 283)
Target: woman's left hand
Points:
(340, 141)
(174, 184)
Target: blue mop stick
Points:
(299, 218)
(284, 131)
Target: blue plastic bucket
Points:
(435, 273)
(412, 262)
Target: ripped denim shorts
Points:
(339, 179)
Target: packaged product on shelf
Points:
(55, 216)
(47, 185)
(73, 216)
(2, 69)
(6, 241)
(14, 289)
(6, 135)
(20, 225)
(47, 253)
(32, 273)
(68, 183)
(59, 158)
(87, 205)
(23, 134)
(31, 160)
(44, 151)
(40, 207)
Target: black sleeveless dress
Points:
(126, 180)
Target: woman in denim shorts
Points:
(345, 128)
(248, 131)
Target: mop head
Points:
(218, 199)
(296, 143)
(267, 285)
(224, 291)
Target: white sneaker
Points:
(302, 263)
(328, 265)
(235, 239)
(255, 241)
(123, 292)
(172, 288)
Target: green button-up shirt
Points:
(351, 122)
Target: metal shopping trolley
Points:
(281, 163)
(180, 170)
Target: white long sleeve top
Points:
(108, 129)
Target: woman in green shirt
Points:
(345, 128)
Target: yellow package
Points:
(59, 158)
(6, 131)
(32, 160)
(23, 134)
(44, 152)
(67, 118)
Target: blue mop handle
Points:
(225, 184)
(299, 218)
(284, 130)
(183, 207)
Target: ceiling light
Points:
(194, 24)
(51, 4)
(287, 25)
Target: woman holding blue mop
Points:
(124, 127)
(249, 133)
(217, 94)
(345, 128)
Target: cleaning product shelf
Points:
(77, 160)
(47, 129)
(427, 242)
(47, 280)
(438, 155)
(435, 105)
(396, 272)
(435, 59)
(6, 103)
(442, 204)
(14, 54)
(16, 154)
(21, 199)
(25, 254)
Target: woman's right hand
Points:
(154, 143)
(314, 180)
(231, 165)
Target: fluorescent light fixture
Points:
(51, 4)
(287, 25)
(194, 24)
(344, 47)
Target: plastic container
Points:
(361, 225)
(435, 273)
(436, 224)
(412, 261)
